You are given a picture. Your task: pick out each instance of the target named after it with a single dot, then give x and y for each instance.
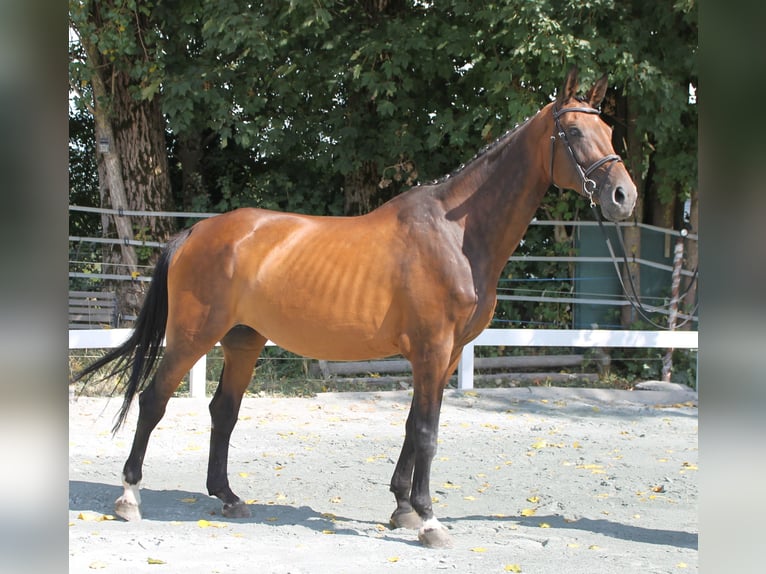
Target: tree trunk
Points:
(692, 260)
(111, 183)
(359, 189)
(632, 235)
(190, 153)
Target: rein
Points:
(634, 299)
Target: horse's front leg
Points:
(401, 482)
(412, 476)
(241, 347)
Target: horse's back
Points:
(319, 286)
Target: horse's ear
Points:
(597, 92)
(569, 90)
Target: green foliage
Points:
(289, 99)
(323, 89)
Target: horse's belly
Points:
(337, 341)
(324, 322)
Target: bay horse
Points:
(417, 277)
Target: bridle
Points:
(588, 185)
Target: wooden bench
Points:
(92, 309)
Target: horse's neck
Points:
(496, 196)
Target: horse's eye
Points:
(574, 132)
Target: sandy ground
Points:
(540, 480)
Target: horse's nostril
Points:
(619, 195)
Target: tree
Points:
(335, 107)
(111, 71)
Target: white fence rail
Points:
(110, 338)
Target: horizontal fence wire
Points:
(505, 290)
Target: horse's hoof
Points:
(409, 520)
(236, 510)
(127, 510)
(435, 536)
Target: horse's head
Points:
(582, 155)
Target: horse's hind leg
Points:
(152, 403)
(241, 348)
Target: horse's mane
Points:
(498, 143)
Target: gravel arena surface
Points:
(533, 480)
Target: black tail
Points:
(139, 354)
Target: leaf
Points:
(533, 499)
(155, 561)
(544, 525)
(393, 559)
(478, 549)
(512, 568)
(528, 512)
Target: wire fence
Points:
(85, 264)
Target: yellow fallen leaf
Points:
(576, 444)
(244, 474)
(98, 565)
(478, 549)
(94, 517)
(528, 512)
(573, 545)
(544, 525)
(393, 559)
(155, 561)
(189, 500)
(512, 568)
(539, 444)
(450, 485)
(469, 497)
(202, 523)
(593, 547)
(681, 565)
(335, 499)
(533, 499)
(271, 519)
(380, 528)
(328, 532)
(689, 466)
